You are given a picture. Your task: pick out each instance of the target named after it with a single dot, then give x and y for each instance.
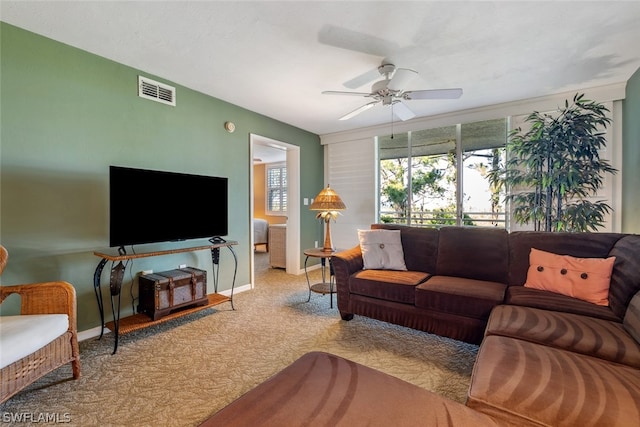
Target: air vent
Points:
(156, 91)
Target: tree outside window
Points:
(439, 176)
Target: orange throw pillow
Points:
(587, 279)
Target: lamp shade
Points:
(327, 200)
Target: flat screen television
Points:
(150, 206)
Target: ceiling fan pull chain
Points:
(392, 120)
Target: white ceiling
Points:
(275, 58)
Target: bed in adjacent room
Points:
(260, 233)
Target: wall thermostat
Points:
(229, 126)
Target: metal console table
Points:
(118, 269)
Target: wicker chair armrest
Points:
(45, 298)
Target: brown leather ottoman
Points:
(321, 389)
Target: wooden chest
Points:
(167, 291)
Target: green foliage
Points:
(555, 166)
(425, 182)
(386, 219)
(448, 217)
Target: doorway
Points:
(265, 151)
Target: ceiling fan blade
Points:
(356, 41)
(433, 94)
(359, 110)
(402, 111)
(338, 92)
(362, 79)
(401, 78)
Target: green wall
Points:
(631, 156)
(66, 115)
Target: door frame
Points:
(293, 201)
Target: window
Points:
(276, 189)
(440, 176)
(482, 151)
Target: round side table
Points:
(323, 287)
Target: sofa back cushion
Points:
(625, 278)
(581, 245)
(474, 252)
(420, 246)
(632, 318)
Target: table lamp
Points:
(328, 203)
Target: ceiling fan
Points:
(391, 91)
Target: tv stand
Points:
(118, 268)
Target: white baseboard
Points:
(236, 290)
(91, 333)
(95, 332)
(310, 268)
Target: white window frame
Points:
(459, 191)
(282, 187)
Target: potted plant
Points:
(554, 168)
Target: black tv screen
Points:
(149, 206)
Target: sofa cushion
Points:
(392, 285)
(581, 334)
(625, 278)
(420, 245)
(632, 318)
(381, 249)
(532, 384)
(583, 278)
(528, 297)
(473, 252)
(24, 334)
(456, 295)
(321, 389)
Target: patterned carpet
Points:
(181, 372)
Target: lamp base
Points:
(328, 247)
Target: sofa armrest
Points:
(347, 262)
(344, 264)
(45, 298)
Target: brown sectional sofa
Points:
(455, 277)
(544, 358)
(322, 389)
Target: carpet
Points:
(180, 372)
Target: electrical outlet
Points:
(315, 244)
(145, 272)
(182, 266)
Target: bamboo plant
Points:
(554, 169)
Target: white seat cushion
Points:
(22, 335)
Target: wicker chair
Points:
(41, 298)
